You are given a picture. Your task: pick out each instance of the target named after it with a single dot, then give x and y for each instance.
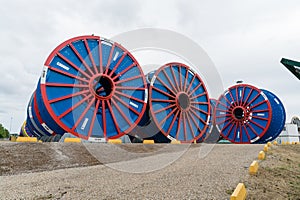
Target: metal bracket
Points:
(292, 65)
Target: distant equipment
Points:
(296, 120)
(291, 131)
(292, 65)
(290, 134)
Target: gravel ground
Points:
(202, 172)
(16, 158)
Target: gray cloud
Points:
(246, 40)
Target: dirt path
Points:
(192, 176)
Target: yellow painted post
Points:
(13, 138)
(195, 142)
(261, 155)
(114, 141)
(287, 143)
(26, 139)
(275, 142)
(266, 148)
(148, 141)
(240, 192)
(269, 144)
(253, 168)
(293, 142)
(73, 140)
(175, 142)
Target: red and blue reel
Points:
(91, 87)
(246, 114)
(179, 102)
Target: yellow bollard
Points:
(266, 148)
(253, 168)
(13, 138)
(175, 142)
(148, 141)
(293, 142)
(275, 142)
(26, 139)
(287, 143)
(114, 141)
(269, 144)
(240, 192)
(261, 155)
(73, 140)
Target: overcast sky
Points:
(245, 40)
